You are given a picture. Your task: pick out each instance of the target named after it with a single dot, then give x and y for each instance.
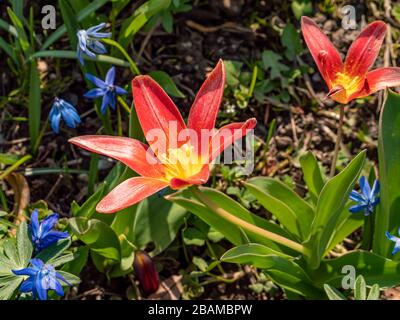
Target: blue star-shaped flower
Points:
(105, 89)
(42, 234)
(367, 199)
(396, 240)
(66, 111)
(88, 42)
(41, 278)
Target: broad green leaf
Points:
(166, 82)
(24, 244)
(194, 237)
(54, 251)
(231, 231)
(387, 214)
(200, 263)
(92, 7)
(127, 258)
(312, 175)
(253, 254)
(34, 105)
(8, 288)
(61, 260)
(333, 293)
(98, 236)
(346, 225)
(75, 266)
(11, 251)
(140, 17)
(157, 221)
(292, 211)
(72, 279)
(290, 276)
(374, 268)
(331, 202)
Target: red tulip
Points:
(351, 79)
(146, 272)
(170, 160)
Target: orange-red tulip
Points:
(182, 162)
(350, 79)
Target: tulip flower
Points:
(146, 272)
(350, 79)
(176, 156)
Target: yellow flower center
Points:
(182, 162)
(350, 84)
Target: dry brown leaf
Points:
(21, 195)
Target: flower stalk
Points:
(244, 224)
(339, 135)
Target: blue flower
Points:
(105, 89)
(42, 234)
(368, 198)
(66, 111)
(41, 278)
(88, 42)
(396, 240)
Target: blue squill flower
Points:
(105, 89)
(42, 233)
(41, 278)
(66, 111)
(367, 199)
(396, 240)
(88, 42)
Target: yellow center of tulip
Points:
(182, 162)
(350, 84)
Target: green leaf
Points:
(253, 254)
(141, 16)
(69, 54)
(72, 279)
(374, 293)
(98, 236)
(231, 231)
(167, 21)
(9, 159)
(331, 202)
(292, 211)
(291, 41)
(333, 293)
(54, 250)
(75, 266)
(271, 61)
(360, 288)
(7, 48)
(34, 106)
(301, 8)
(157, 221)
(8, 288)
(193, 236)
(61, 260)
(387, 216)
(374, 268)
(166, 82)
(24, 245)
(200, 263)
(9, 28)
(312, 175)
(92, 7)
(70, 21)
(21, 34)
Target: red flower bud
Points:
(146, 272)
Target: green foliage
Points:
(360, 291)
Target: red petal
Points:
(204, 110)
(229, 134)
(130, 152)
(364, 50)
(322, 50)
(128, 193)
(155, 110)
(379, 79)
(199, 178)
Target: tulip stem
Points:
(338, 142)
(244, 224)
